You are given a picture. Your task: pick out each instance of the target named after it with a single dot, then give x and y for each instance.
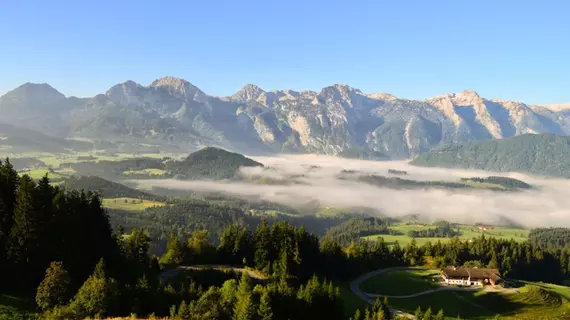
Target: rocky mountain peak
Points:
(179, 88)
(171, 82)
(467, 97)
(126, 87)
(381, 96)
(339, 91)
(36, 89)
(247, 93)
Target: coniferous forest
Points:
(58, 247)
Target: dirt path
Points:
(355, 288)
(166, 275)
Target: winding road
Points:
(370, 297)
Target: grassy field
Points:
(532, 301)
(401, 282)
(149, 172)
(467, 232)
(130, 204)
(55, 159)
(37, 174)
(351, 302)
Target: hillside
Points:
(363, 154)
(173, 113)
(108, 188)
(541, 154)
(210, 163)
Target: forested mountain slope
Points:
(210, 163)
(541, 154)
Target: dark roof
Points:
(473, 273)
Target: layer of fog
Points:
(316, 178)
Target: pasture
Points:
(130, 204)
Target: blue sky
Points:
(414, 49)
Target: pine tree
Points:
(427, 315)
(264, 310)
(184, 312)
(440, 315)
(97, 295)
(262, 247)
(493, 263)
(9, 181)
(174, 253)
(418, 314)
(244, 309)
(54, 290)
(357, 315)
(228, 292)
(24, 235)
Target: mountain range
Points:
(171, 112)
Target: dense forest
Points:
(210, 163)
(114, 169)
(57, 247)
(493, 183)
(443, 229)
(363, 154)
(354, 228)
(502, 181)
(210, 213)
(550, 238)
(106, 188)
(543, 154)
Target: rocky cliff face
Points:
(173, 111)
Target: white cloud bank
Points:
(549, 205)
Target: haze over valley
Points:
(306, 178)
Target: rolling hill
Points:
(210, 163)
(541, 154)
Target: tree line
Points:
(443, 229)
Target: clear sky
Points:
(415, 49)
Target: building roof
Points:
(473, 273)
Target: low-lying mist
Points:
(312, 177)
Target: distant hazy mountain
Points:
(542, 154)
(173, 112)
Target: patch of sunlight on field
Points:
(37, 174)
(150, 172)
(130, 204)
(467, 233)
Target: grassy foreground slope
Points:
(542, 154)
(401, 282)
(530, 301)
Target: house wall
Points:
(462, 282)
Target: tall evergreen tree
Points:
(263, 247)
(54, 290)
(244, 308)
(175, 254)
(440, 315)
(24, 235)
(264, 311)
